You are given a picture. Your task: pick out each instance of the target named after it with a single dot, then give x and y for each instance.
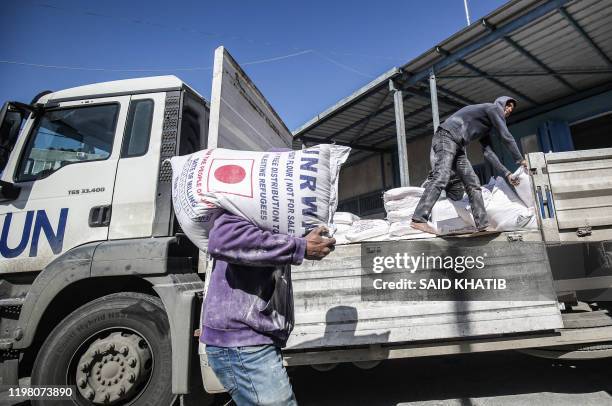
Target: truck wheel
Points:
(114, 350)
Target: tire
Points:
(118, 331)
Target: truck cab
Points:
(89, 166)
(86, 215)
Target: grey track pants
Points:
(449, 157)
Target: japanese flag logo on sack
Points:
(232, 176)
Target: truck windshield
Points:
(64, 136)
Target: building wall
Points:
(364, 177)
(579, 110)
(418, 159)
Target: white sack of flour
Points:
(365, 229)
(402, 192)
(284, 192)
(524, 190)
(345, 217)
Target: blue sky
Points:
(329, 48)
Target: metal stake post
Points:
(433, 91)
(400, 125)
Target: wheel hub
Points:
(113, 368)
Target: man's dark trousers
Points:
(450, 156)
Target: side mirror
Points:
(8, 191)
(11, 117)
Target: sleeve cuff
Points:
(300, 251)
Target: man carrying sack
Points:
(470, 123)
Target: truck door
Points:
(64, 164)
(135, 185)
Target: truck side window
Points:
(137, 129)
(68, 135)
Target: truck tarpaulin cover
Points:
(284, 192)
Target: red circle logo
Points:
(230, 174)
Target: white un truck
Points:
(100, 289)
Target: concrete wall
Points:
(418, 159)
(365, 177)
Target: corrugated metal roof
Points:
(535, 51)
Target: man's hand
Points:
(317, 246)
(513, 181)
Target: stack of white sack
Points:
(283, 192)
(343, 221)
(368, 230)
(400, 204)
(445, 218)
(510, 210)
(507, 210)
(464, 209)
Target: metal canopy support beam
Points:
(487, 39)
(454, 95)
(408, 94)
(410, 129)
(392, 123)
(425, 95)
(382, 171)
(348, 102)
(585, 35)
(400, 125)
(433, 91)
(538, 62)
(365, 119)
(493, 80)
(573, 72)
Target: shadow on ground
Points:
(504, 378)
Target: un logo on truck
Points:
(36, 223)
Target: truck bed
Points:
(330, 312)
(573, 193)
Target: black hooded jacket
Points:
(475, 122)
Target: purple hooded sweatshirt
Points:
(250, 298)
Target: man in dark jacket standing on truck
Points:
(470, 123)
(248, 311)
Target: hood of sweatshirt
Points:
(501, 102)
